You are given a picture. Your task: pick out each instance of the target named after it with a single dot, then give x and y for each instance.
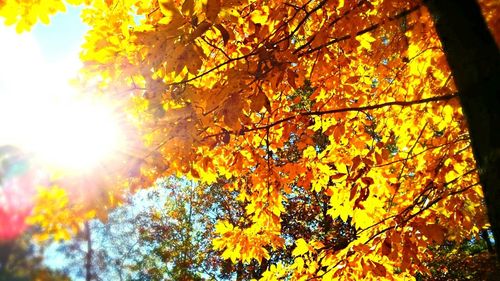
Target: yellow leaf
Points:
(227, 254)
(260, 16)
(366, 41)
(309, 152)
(301, 247)
(328, 276)
(222, 227)
(341, 4)
(298, 263)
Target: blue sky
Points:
(62, 37)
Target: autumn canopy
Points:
(334, 127)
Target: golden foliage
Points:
(352, 100)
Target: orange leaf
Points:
(259, 101)
(352, 80)
(213, 9)
(188, 7)
(386, 247)
(291, 76)
(225, 34)
(378, 269)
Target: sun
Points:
(58, 124)
(70, 133)
(76, 134)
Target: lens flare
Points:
(17, 190)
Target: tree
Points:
(345, 112)
(176, 233)
(21, 260)
(162, 232)
(105, 250)
(467, 260)
(474, 59)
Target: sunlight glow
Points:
(71, 133)
(75, 135)
(40, 112)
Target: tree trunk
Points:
(5, 251)
(88, 255)
(474, 59)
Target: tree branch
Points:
(361, 32)
(351, 109)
